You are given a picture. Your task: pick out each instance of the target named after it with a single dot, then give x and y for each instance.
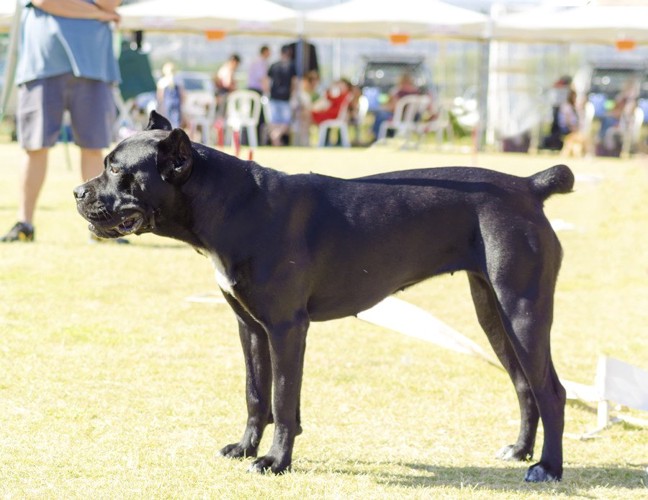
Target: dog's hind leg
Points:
(522, 269)
(258, 384)
(529, 327)
(491, 322)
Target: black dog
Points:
(291, 249)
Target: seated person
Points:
(619, 117)
(569, 127)
(225, 80)
(405, 87)
(329, 107)
(301, 103)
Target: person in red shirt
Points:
(336, 96)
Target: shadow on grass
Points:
(418, 475)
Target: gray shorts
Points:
(41, 104)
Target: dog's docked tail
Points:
(557, 179)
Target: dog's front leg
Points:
(287, 346)
(258, 383)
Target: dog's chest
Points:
(222, 279)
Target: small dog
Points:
(291, 249)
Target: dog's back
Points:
(403, 227)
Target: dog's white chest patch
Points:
(222, 279)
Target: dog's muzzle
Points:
(110, 224)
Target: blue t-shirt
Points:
(53, 45)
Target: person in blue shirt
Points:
(65, 62)
(170, 95)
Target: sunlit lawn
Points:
(113, 385)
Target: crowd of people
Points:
(570, 128)
(296, 100)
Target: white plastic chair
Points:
(586, 127)
(406, 117)
(341, 122)
(632, 132)
(242, 111)
(199, 111)
(360, 117)
(439, 124)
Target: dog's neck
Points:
(233, 186)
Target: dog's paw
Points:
(541, 472)
(514, 453)
(236, 450)
(269, 464)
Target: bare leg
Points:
(91, 163)
(32, 177)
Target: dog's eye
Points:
(114, 170)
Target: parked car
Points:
(196, 81)
(379, 74)
(605, 79)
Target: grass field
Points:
(113, 385)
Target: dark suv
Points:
(380, 74)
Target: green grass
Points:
(112, 385)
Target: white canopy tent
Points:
(356, 18)
(7, 9)
(236, 17)
(603, 24)
(380, 18)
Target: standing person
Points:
(225, 80)
(557, 96)
(258, 71)
(170, 95)
(570, 126)
(66, 62)
(258, 81)
(568, 117)
(282, 83)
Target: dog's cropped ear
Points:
(158, 122)
(175, 157)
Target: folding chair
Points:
(406, 119)
(341, 123)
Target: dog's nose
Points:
(80, 192)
